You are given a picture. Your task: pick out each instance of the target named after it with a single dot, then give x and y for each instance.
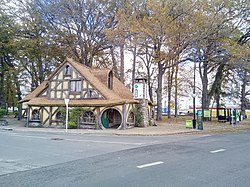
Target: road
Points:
(60, 159)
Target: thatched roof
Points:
(36, 92)
(118, 86)
(43, 101)
(97, 77)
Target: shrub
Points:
(138, 116)
(3, 112)
(72, 125)
(62, 111)
(75, 113)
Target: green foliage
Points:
(62, 111)
(138, 116)
(72, 125)
(3, 112)
(75, 113)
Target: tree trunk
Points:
(19, 97)
(159, 91)
(169, 89)
(216, 86)
(243, 93)
(114, 62)
(133, 68)
(40, 71)
(176, 92)
(122, 63)
(2, 99)
(150, 91)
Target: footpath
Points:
(169, 127)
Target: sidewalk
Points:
(170, 127)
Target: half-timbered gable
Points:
(104, 100)
(69, 83)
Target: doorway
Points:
(111, 118)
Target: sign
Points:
(207, 113)
(66, 100)
(199, 113)
(199, 119)
(200, 125)
(139, 91)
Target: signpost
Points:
(66, 100)
(199, 119)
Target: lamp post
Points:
(66, 100)
(194, 112)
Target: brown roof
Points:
(36, 92)
(41, 101)
(96, 77)
(89, 76)
(118, 87)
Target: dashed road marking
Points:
(218, 150)
(149, 164)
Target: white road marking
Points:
(217, 151)
(77, 140)
(95, 141)
(207, 135)
(150, 164)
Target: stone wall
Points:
(143, 109)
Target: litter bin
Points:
(189, 124)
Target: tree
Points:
(7, 31)
(79, 26)
(161, 36)
(215, 23)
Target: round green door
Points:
(105, 119)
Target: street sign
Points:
(199, 113)
(66, 100)
(207, 113)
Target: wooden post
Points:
(124, 114)
(98, 117)
(28, 115)
(50, 115)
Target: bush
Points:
(138, 116)
(74, 115)
(72, 125)
(3, 112)
(62, 111)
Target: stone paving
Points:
(166, 127)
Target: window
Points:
(59, 116)
(87, 118)
(92, 94)
(35, 115)
(110, 80)
(75, 86)
(67, 70)
(131, 119)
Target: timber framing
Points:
(109, 102)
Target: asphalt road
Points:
(51, 159)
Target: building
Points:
(107, 103)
